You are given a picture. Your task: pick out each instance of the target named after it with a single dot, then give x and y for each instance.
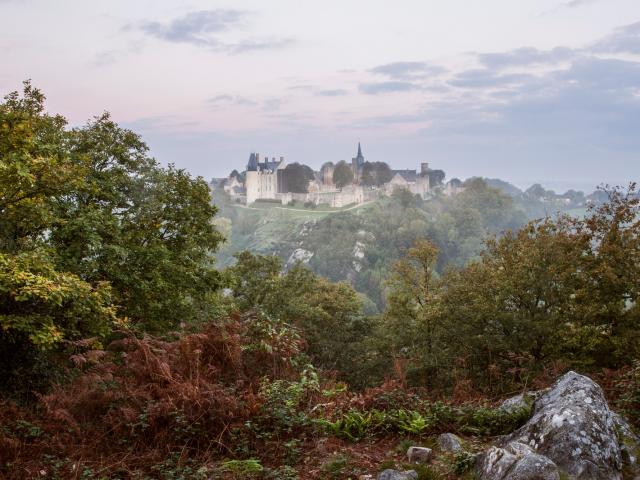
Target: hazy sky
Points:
(525, 90)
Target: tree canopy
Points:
(342, 174)
(297, 177)
(93, 229)
(376, 173)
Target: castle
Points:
(264, 179)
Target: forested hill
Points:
(359, 244)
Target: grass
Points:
(270, 228)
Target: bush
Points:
(627, 391)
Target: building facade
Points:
(264, 179)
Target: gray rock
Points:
(515, 461)
(573, 427)
(629, 444)
(521, 401)
(448, 442)
(419, 454)
(534, 467)
(390, 474)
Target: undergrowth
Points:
(235, 400)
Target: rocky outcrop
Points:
(299, 255)
(572, 432)
(390, 474)
(521, 401)
(516, 461)
(448, 442)
(419, 454)
(629, 447)
(573, 426)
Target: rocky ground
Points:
(571, 434)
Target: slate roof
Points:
(254, 165)
(409, 175)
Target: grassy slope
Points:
(270, 228)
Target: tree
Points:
(297, 178)
(411, 317)
(376, 173)
(436, 177)
(35, 168)
(92, 228)
(146, 230)
(404, 197)
(556, 290)
(342, 174)
(328, 314)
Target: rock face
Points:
(571, 431)
(629, 447)
(397, 475)
(448, 442)
(521, 401)
(573, 426)
(419, 454)
(516, 462)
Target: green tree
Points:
(91, 227)
(297, 177)
(342, 174)
(328, 314)
(436, 177)
(35, 169)
(404, 197)
(411, 318)
(376, 173)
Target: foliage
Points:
(92, 228)
(297, 177)
(424, 418)
(627, 390)
(342, 174)
(246, 468)
(436, 177)
(336, 466)
(557, 290)
(404, 196)
(411, 316)
(327, 313)
(463, 462)
(149, 395)
(46, 306)
(376, 173)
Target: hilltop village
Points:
(336, 185)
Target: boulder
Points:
(573, 427)
(516, 461)
(419, 454)
(390, 474)
(448, 442)
(629, 444)
(521, 401)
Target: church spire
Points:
(359, 151)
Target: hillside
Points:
(358, 244)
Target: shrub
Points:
(627, 390)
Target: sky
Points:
(528, 91)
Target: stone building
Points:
(264, 180)
(416, 183)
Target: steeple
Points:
(252, 166)
(359, 151)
